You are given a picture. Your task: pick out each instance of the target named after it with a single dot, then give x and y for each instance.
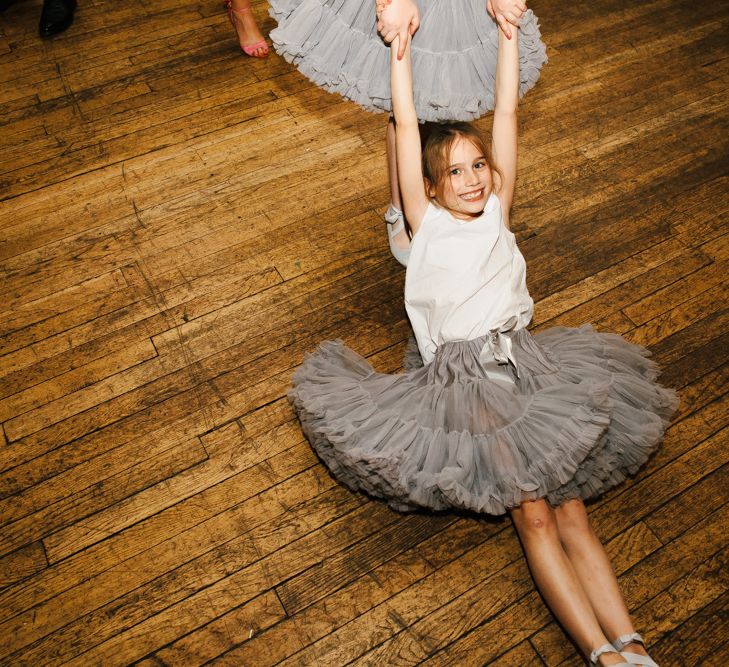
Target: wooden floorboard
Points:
(180, 224)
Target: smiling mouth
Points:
(471, 196)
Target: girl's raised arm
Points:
(504, 146)
(407, 137)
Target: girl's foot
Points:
(607, 655)
(635, 647)
(632, 648)
(250, 38)
(637, 655)
(397, 235)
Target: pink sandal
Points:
(250, 49)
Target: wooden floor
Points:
(180, 224)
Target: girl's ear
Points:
(429, 189)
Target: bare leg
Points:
(555, 577)
(246, 27)
(593, 569)
(401, 239)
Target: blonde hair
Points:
(437, 140)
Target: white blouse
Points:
(464, 278)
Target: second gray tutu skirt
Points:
(335, 44)
(579, 412)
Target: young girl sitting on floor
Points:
(496, 420)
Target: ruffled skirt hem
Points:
(583, 413)
(336, 45)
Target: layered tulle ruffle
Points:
(584, 412)
(335, 44)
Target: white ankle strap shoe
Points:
(395, 224)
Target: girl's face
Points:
(468, 182)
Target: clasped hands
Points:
(402, 18)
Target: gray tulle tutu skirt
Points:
(583, 412)
(335, 44)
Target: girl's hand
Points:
(506, 13)
(397, 18)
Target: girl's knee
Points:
(572, 519)
(534, 517)
(572, 512)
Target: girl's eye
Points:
(455, 172)
(479, 165)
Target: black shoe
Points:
(56, 16)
